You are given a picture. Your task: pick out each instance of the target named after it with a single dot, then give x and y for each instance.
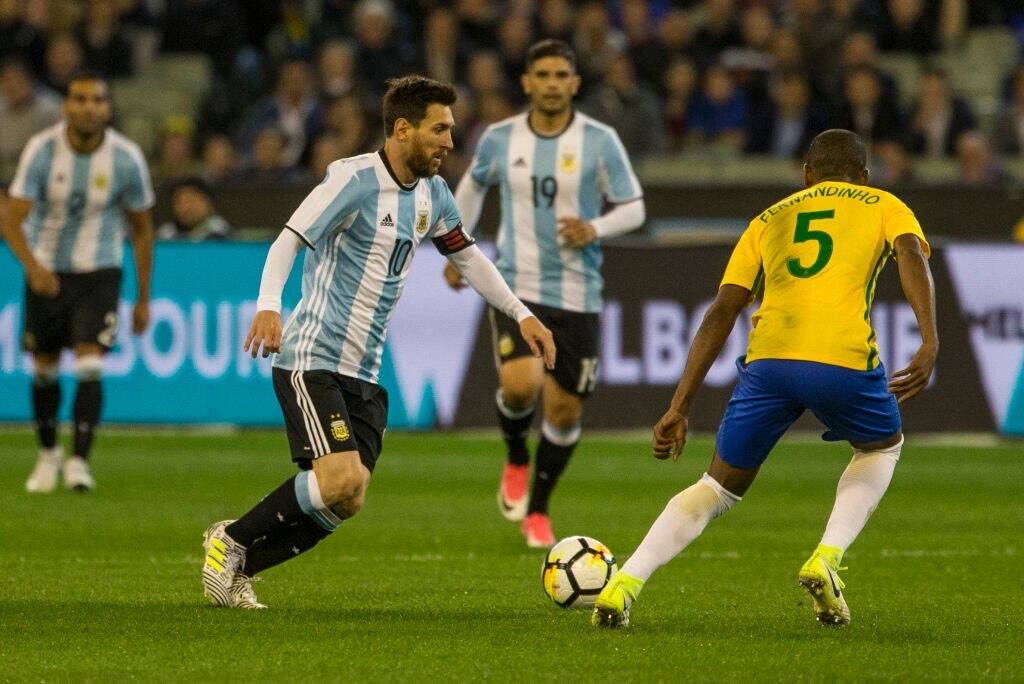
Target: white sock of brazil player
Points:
(860, 489)
(682, 521)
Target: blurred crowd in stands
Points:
(295, 84)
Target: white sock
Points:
(682, 521)
(860, 489)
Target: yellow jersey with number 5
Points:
(818, 253)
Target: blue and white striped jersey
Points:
(77, 224)
(543, 179)
(362, 227)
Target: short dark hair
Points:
(86, 75)
(837, 153)
(194, 183)
(550, 47)
(409, 96)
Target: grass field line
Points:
(196, 560)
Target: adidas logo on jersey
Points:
(386, 222)
(519, 163)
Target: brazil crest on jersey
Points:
(76, 224)
(362, 227)
(818, 253)
(543, 179)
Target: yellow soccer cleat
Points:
(612, 606)
(819, 576)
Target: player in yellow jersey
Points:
(817, 253)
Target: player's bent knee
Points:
(341, 477)
(518, 396)
(349, 507)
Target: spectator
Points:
(720, 111)
(325, 150)
(336, 64)
(751, 62)
(861, 50)
(892, 164)
(443, 53)
(294, 109)
(219, 162)
(269, 165)
(25, 109)
(20, 38)
(210, 27)
(484, 73)
(646, 50)
(978, 166)
(905, 26)
(787, 55)
(680, 86)
(382, 52)
(677, 33)
(176, 160)
(105, 45)
(477, 24)
(718, 32)
(938, 118)
(555, 20)
(194, 218)
(785, 126)
(865, 112)
(819, 34)
(346, 123)
(292, 36)
(515, 35)
(1009, 127)
(63, 58)
(628, 106)
(597, 43)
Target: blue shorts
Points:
(855, 406)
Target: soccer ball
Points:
(576, 570)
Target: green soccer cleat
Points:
(612, 606)
(819, 576)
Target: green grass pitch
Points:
(429, 583)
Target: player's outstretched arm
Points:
(40, 280)
(265, 331)
(142, 248)
(483, 277)
(919, 289)
(670, 432)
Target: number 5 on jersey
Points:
(805, 234)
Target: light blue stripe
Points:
(590, 201)
(36, 179)
(339, 206)
(302, 494)
(75, 212)
(354, 252)
(390, 289)
(506, 234)
(544, 228)
(108, 248)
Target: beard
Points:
(421, 163)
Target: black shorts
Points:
(84, 311)
(327, 413)
(576, 338)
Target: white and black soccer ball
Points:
(576, 570)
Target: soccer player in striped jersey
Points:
(78, 187)
(361, 227)
(818, 254)
(557, 169)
